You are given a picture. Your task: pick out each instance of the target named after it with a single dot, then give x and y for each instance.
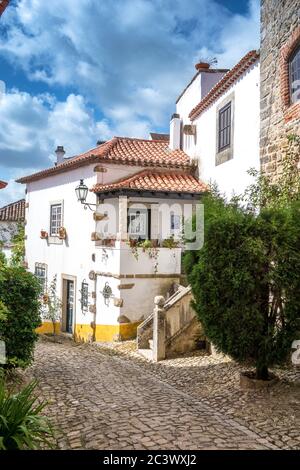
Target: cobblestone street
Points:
(101, 401)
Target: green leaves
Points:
(18, 249)
(246, 280)
(19, 293)
(21, 425)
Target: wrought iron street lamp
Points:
(81, 193)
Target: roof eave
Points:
(150, 193)
(228, 80)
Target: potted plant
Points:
(62, 233)
(133, 242)
(44, 234)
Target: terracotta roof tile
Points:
(226, 81)
(14, 212)
(122, 150)
(3, 5)
(151, 180)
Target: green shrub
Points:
(18, 249)
(19, 293)
(21, 425)
(246, 281)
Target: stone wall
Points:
(280, 33)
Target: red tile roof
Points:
(122, 150)
(151, 180)
(3, 184)
(3, 5)
(14, 212)
(226, 81)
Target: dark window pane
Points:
(224, 127)
(295, 76)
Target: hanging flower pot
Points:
(62, 233)
(45, 298)
(44, 234)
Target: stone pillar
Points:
(159, 329)
(122, 233)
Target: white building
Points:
(11, 217)
(107, 287)
(107, 284)
(217, 123)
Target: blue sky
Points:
(79, 71)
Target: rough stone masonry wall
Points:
(280, 33)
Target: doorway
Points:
(68, 318)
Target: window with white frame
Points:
(139, 223)
(175, 222)
(55, 219)
(40, 272)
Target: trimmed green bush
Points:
(246, 281)
(19, 293)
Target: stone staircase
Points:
(182, 331)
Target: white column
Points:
(123, 204)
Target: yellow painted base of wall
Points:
(106, 333)
(47, 328)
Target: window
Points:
(224, 127)
(55, 219)
(175, 222)
(84, 296)
(294, 66)
(139, 223)
(40, 272)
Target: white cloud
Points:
(137, 54)
(129, 58)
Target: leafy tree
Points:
(19, 292)
(2, 255)
(246, 278)
(18, 249)
(54, 305)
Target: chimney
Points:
(60, 154)
(175, 132)
(202, 66)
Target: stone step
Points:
(146, 353)
(151, 344)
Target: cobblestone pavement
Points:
(103, 401)
(272, 414)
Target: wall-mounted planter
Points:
(109, 242)
(189, 129)
(98, 217)
(62, 233)
(44, 234)
(95, 237)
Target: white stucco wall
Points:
(195, 92)
(230, 176)
(77, 256)
(73, 256)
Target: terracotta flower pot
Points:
(62, 233)
(44, 234)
